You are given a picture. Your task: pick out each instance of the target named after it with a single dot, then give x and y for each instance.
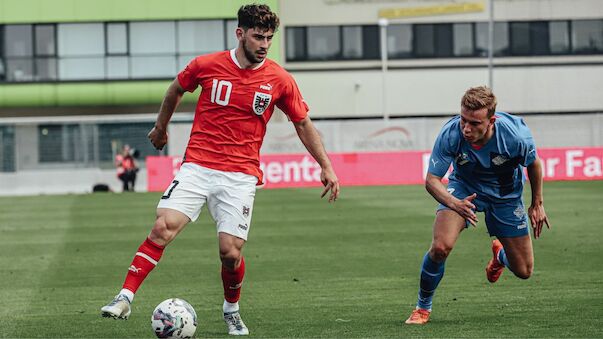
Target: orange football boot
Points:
(419, 316)
(494, 268)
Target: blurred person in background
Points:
(241, 88)
(488, 151)
(126, 168)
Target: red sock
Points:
(144, 262)
(232, 280)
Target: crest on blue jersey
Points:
(461, 159)
(261, 102)
(499, 160)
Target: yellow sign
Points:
(463, 7)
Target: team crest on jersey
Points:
(261, 102)
(499, 160)
(461, 159)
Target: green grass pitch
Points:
(345, 270)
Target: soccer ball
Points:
(174, 318)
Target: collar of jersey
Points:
(234, 59)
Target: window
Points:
(296, 43)
(501, 39)
(399, 41)
(117, 61)
(45, 44)
(2, 68)
(371, 42)
(443, 40)
(360, 42)
(118, 67)
(529, 38)
(198, 37)
(462, 35)
(231, 37)
(587, 36)
(432, 40)
(153, 49)
(45, 52)
(117, 38)
(352, 42)
(7, 149)
(559, 40)
(520, 38)
(423, 40)
(540, 38)
(112, 50)
(18, 49)
(81, 51)
(59, 143)
(323, 42)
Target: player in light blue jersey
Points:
(488, 151)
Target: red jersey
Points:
(234, 107)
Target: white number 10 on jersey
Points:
(217, 89)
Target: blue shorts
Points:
(506, 219)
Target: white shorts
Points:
(229, 197)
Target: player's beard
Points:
(251, 57)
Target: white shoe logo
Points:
(134, 269)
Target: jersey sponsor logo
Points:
(261, 102)
(499, 160)
(266, 87)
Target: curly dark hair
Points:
(257, 16)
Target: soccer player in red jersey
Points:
(221, 165)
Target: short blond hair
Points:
(476, 98)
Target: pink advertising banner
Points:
(382, 168)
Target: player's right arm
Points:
(465, 208)
(442, 154)
(158, 135)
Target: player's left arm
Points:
(536, 211)
(311, 139)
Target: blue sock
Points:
(431, 274)
(502, 258)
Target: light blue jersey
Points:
(494, 171)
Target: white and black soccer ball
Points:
(174, 318)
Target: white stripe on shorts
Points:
(151, 260)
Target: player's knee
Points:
(523, 272)
(230, 256)
(439, 252)
(161, 233)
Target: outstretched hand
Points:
(331, 183)
(538, 218)
(465, 208)
(158, 137)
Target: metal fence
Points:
(66, 142)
